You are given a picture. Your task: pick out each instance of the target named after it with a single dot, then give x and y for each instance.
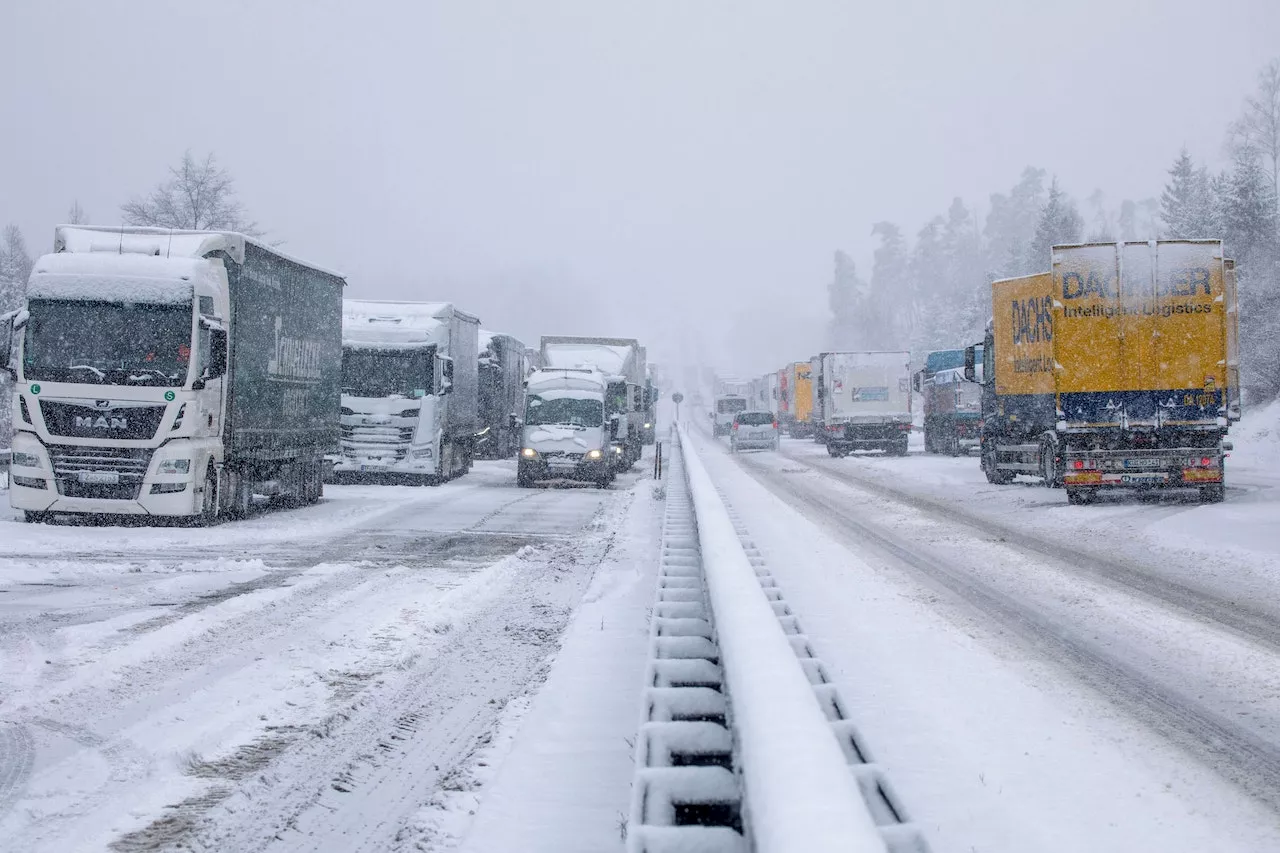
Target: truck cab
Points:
(568, 434)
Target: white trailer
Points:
(864, 400)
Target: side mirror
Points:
(970, 364)
(613, 426)
(217, 359)
(916, 382)
(446, 380)
(6, 344)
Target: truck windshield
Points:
(383, 373)
(107, 343)
(564, 411)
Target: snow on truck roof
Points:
(546, 380)
(162, 242)
(118, 278)
(608, 358)
(392, 325)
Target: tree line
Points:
(934, 292)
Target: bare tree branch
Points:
(199, 195)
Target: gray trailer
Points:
(172, 374)
(502, 375)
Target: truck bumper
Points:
(1176, 468)
(869, 437)
(586, 471)
(420, 461)
(39, 489)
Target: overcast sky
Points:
(610, 167)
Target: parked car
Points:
(754, 429)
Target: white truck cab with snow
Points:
(171, 374)
(410, 391)
(566, 433)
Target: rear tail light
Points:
(1078, 464)
(775, 424)
(735, 424)
(1206, 461)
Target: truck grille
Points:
(129, 465)
(380, 440)
(120, 421)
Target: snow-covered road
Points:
(299, 681)
(1112, 671)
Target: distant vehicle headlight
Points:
(174, 466)
(528, 453)
(594, 454)
(25, 460)
(648, 426)
(617, 449)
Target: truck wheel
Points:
(833, 452)
(242, 502)
(209, 499)
(1214, 494)
(1049, 467)
(995, 476)
(32, 517)
(1080, 497)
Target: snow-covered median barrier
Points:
(798, 792)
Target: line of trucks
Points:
(185, 375)
(1116, 368)
(845, 400)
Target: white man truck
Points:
(410, 391)
(171, 375)
(622, 361)
(864, 401)
(566, 428)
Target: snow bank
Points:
(1257, 437)
(799, 789)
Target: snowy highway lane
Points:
(1113, 671)
(299, 681)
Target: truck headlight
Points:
(617, 449)
(25, 460)
(648, 426)
(528, 453)
(594, 454)
(408, 413)
(174, 466)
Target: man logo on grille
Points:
(102, 422)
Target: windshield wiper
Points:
(146, 373)
(95, 370)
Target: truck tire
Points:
(1080, 497)
(899, 448)
(33, 517)
(1049, 471)
(242, 495)
(209, 500)
(995, 476)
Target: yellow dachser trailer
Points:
(1145, 368)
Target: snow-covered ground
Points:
(314, 679)
(1036, 676)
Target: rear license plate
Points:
(1140, 479)
(100, 478)
(1142, 463)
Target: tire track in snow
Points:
(1236, 616)
(1239, 754)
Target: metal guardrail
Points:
(744, 743)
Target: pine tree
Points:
(1059, 223)
(883, 316)
(1248, 210)
(1178, 200)
(1010, 224)
(846, 293)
